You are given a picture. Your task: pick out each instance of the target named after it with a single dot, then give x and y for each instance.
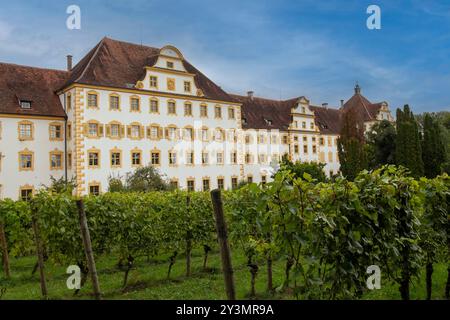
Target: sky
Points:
(278, 49)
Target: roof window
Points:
(25, 104)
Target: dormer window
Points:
(169, 64)
(24, 104)
(269, 122)
(244, 121)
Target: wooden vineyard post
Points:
(188, 242)
(5, 255)
(39, 252)
(223, 244)
(88, 249)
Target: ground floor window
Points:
(220, 183)
(94, 189)
(26, 194)
(205, 184)
(190, 185)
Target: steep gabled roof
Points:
(121, 64)
(259, 112)
(365, 109)
(36, 85)
(327, 119)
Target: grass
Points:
(148, 280)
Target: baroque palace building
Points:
(126, 105)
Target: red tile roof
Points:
(327, 119)
(121, 64)
(36, 85)
(367, 110)
(258, 112)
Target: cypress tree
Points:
(433, 147)
(352, 156)
(408, 152)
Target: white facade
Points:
(38, 146)
(163, 120)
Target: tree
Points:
(351, 150)
(433, 147)
(146, 179)
(381, 144)
(408, 150)
(315, 170)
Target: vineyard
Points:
(308, 240)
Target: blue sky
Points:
(279, 49)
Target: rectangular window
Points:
(174, 184)
(169, 64)
(217, 112)
(230, 113)
(69, 131)
(321, 141)
(134, 105)
(234, 183)
(26, 161)
(153, 82)
(26, 131)
(155, 158)
(188, 133)
(248, 158)
(285, 139)
(304, 125)
(94, 189)
(250, 179)
(92, 100)
(204, 158)
(204, 134)
(171, 133)
(219, 158)
(204, 111)
(25, 104)
(93, 159)
(55, 132)
(115, 130)
(171, 107)
(314, 149)
(93, 129)
(114, 103)
(296, 148)
(135, 131)
(172, 158)
(115, 159)
(262, 158)
(220, 183)
(190, 158)
(330, 156)
(69, 160)
(311, 125)
(305, 139)
(136, 158)
(154, 106)
(56, 161)
(305, 149)
(263, 180)
(188, 109)
(234, 157)
(190, 185)
(187, 86)
(26, 194)
(205, 184)
(69, 102)
(154, 130)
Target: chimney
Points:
(342, 103)
(250, 95)
(69, 62)
(325, 105)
